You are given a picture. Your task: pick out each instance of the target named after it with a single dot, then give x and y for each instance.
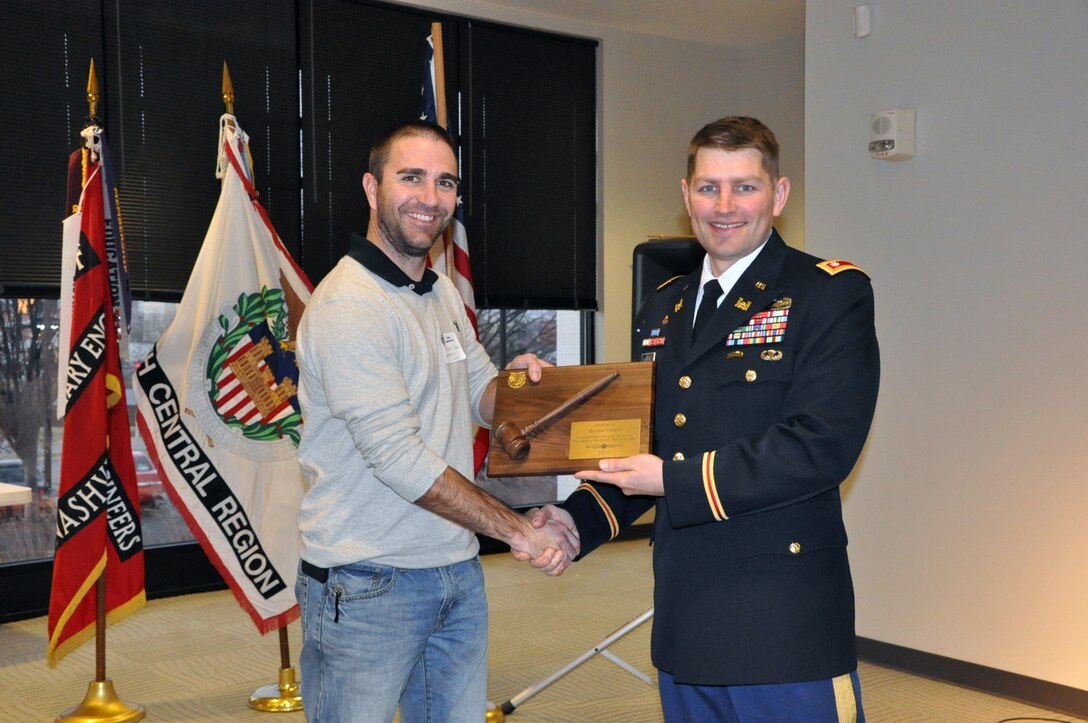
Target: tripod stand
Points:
(601, 647)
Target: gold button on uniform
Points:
(795, 548)
(678, 457)
(680, 420)
(750, 375)
(685, 382)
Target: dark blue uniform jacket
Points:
(758, 423)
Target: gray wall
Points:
(967, 512)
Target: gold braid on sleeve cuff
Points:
(710, 486)
(613, 526)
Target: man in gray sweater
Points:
(391, 380)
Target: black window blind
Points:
(315, 83)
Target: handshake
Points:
(546, 537)
(549, 542)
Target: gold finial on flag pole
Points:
(228, 89)
(93, 95)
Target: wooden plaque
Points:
(615, 421)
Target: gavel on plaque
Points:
(515, 441)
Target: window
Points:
(556, 337)
(31, 438)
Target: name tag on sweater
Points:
(454, 352)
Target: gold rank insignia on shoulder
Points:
(743, 304)
(784, 303)
(834, 266)
(667, 282)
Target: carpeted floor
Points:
(198, 657)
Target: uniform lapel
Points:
(681, 313)
(754, 291)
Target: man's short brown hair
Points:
(413, 129)
(736, 133)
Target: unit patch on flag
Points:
(766, 327)
(249, 373)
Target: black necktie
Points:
(711, 291)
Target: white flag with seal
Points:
(217, 396)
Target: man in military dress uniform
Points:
(764, 398)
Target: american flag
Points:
(451, 255)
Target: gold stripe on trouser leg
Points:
(845, 703)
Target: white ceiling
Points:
(718, 22)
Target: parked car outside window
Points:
(12, 471)
(147, 479)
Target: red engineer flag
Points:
(98, 514)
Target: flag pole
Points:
(284, 696)
(453, 258)
(101, 702)
(439, 74)
(440, 108)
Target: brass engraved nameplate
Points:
(609, 438)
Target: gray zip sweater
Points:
(390, 381)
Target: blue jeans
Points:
(374, 636)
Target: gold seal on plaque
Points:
(517, 380)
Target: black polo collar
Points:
(374, 259)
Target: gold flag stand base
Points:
(101, 705)
(282, 698)
(494, 714)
